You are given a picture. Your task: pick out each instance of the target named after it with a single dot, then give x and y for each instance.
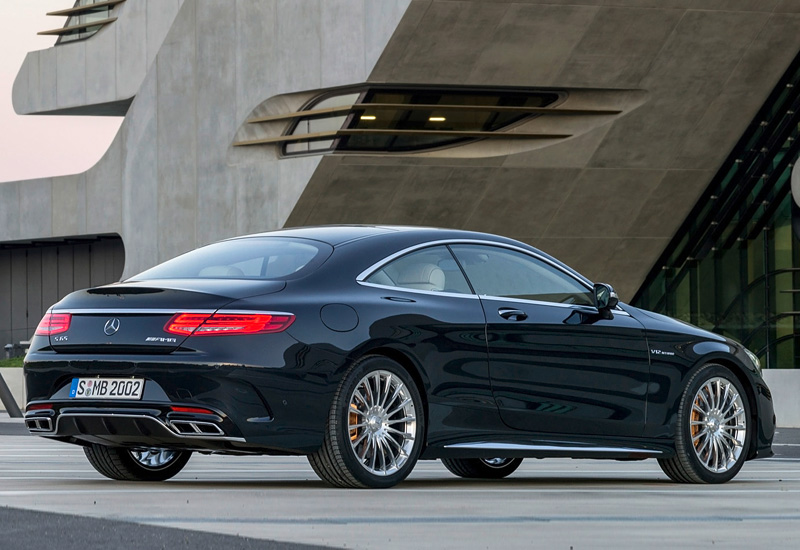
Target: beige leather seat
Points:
(221, 271)
(422, 277)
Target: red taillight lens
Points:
(193, 410)
(204, 324)
(53, 323)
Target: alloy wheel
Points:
(382, 423)
(718, 424)
(154, 458)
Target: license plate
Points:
(106, 388)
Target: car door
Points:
(557, 364)
(422, 303)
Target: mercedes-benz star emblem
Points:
(111, 327)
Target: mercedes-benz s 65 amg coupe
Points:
(368, 348)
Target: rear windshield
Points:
(266, 258)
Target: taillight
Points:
(204, 324)
(53, 323)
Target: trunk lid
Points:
(129, 318)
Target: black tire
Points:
(365, 427)
(129, 465)
(482, 468)
(713, 429)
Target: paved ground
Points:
(547, 504)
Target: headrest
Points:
(422, 277)
(221, 271)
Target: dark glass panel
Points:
(734, 265)
(96, 14)
(426, 118)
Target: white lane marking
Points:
(176, 489)
(416, 520)
(29, 478)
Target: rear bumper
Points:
(266, 410)
(156, 426)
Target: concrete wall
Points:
(32, 278)
(171, 181)
(16, 383)
(785, 387)
(608, 201)
(83, 77)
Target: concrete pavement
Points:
(554, 503)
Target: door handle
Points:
(512, 314)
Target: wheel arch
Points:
(741, 375)
(416, 373)
(740, 372)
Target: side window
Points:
(496, 271)
(428, 269)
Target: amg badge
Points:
(161, 339)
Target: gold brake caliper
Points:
(695, 427)
(353, 420)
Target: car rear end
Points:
(196, 363)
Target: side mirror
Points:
(604, 296)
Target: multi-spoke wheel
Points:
(375, 427)
(713, 429)
(154, 459)
(136, 465)
(485, 468)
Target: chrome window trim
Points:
(616, 310)
(533, 302)
(360, 279)
(378, 265)
(418, 291)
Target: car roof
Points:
(336, 235)
(400, 236)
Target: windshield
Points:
(266, 258)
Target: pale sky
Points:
(34, 146)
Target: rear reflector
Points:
(53, 323)
(193, 410)
(204, 324)
(39, 407)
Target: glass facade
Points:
(93, 11)
(734, 265)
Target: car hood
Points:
(662, 323)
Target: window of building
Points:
(84, 19)
(381, 119)
(734, 265)
(411, 120)
(328, 121)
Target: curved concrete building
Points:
(592, 129)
